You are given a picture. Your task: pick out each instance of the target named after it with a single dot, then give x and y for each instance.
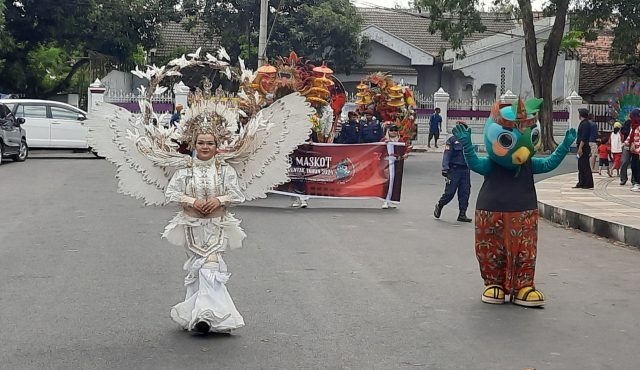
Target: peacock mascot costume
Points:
(506, 216)
(626, 100)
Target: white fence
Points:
(120, 96)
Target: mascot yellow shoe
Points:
(493, 294)
(529, 297)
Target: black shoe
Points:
(623, 183)
(202, 327)
(463, 218)
(438, 211)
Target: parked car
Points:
(51, 124)
(13, 138)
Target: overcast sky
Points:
(537, 4)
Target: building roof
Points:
(594, 77)
(174, 35)
(413, 27)
(390, 69)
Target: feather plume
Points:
(262, 160)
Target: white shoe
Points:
(303, 203)
(385, 205)
(635, 188)
(392, 205)
(296, 203)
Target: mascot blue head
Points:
(512, 133)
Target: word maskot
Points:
(314, 162)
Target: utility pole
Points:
(262, 38)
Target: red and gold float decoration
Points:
(393, 103)
(317, 83)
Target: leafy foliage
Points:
(319, 30)
(622, 16)
(44, 42)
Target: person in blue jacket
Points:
(456, 171)
(372, 130)
(435, 126)
(350, 132)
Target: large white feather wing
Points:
(262, 160)
(116, 134)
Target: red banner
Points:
(346, 171)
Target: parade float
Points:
(317, 83)
(391, 102)
(324, 169)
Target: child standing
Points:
(616, 147)
(604, 151)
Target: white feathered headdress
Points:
(146, 155)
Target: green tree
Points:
(50, 39)
(462, 19)
(5, 39)
(622, 16)
(319, 30)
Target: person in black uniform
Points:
(351, 132)
(371, 131)
(585, 177)
(456, 171)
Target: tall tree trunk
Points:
(546, 115)
(542, 76)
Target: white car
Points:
(51, 124)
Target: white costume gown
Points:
(206, 238)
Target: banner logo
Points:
(345, 170)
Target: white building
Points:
(495, 60)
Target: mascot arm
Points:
(550, 163)
(481, 165)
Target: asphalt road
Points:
(87, 283)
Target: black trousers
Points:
(432, 135)
(635, 168)
(585, 177)
(626, 158)
(459, 181)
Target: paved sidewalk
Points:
(609, 210)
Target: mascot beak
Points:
(521, 155)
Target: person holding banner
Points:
(458, 175)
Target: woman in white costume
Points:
(206, 228)
(227, 169)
